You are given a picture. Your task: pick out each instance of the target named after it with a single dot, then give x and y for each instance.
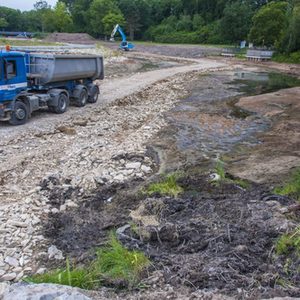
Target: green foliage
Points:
(220, 170)
(288, 243)
(97, 12)
(292, 187)
(168, 186)
(292, 58)
(168, 21)
(114, 264)
(236, 23)
(3, 22)
(76, 277)
(269, 24)
(110, 20)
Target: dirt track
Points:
(59, 174)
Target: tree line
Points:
(265, 23)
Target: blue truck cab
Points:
(31, 81)
(13, 80)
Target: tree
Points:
(3, 23)
(198, 22)
(97, 11)
(43, 11)
(110, 20)
(269, 24)
(130, 9)
(291, 38)
(13, 17)
(236, 23)
(62, 19)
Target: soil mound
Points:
(73, 38)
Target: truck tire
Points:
(94, 93)
(62, 104)
(82, 98)
(20, 114)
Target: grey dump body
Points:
(50, 68)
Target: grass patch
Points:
(32, 42)
(292, 58)
(114, 265)
(291, 187)
(224, 178)
(167, 187)
(118, 264)
(288, 243)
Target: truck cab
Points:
(13, 81)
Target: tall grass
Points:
(114, 265)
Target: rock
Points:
(12, 261)
(18, 224)
(119, 177)
(53, 252)
(80, 122)
(2, 272)
(133, 165)
(22, 291)
(3, 288)
(8, 277)
(146, 169)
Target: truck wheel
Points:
(62, 104)
(20, 114)
(93, 97)
(82, 99)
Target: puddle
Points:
(255, 83)
(207, 124)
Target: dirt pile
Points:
(72, 38)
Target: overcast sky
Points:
(23, 4)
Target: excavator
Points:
(126, 46)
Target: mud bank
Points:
(279, 151)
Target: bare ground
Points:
(68, 180)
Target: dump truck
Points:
(30, 81)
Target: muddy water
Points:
(207, 124)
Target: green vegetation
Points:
(117, 264)
(168, 186)
(288, 243)
(15, 42)
(292, 58)
(266, 23)
(114, 264)
(224, 178)
(291, 187)
(273, 24)
(76, 277)
(220, 170)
